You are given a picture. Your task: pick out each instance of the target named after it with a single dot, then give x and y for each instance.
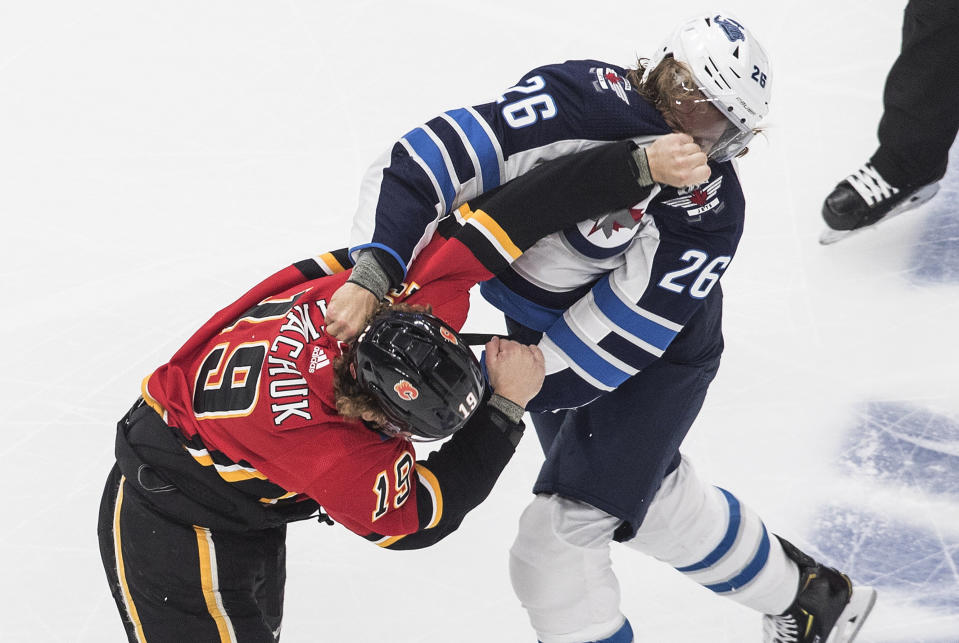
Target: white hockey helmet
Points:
(730, 68)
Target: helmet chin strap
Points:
(478, 339)
(391, 430)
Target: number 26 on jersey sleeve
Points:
(524, 112)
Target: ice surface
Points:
(157, 158)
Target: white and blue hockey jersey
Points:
(609, 294)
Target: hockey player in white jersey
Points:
(627, 311)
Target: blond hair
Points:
(669, 85)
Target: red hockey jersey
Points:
(252, 391)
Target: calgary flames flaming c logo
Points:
(405, 390)
(448, 335)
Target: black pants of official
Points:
(175, 583)
(921, 97)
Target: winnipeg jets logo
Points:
(448, 335)
(607, 79)
(699, 199)
(615, 222)
(406, 391)
(734, 31)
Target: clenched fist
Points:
(674, 159)
(348, 311)
(516, 371)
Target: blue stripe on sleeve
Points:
(393, 253)
(480, 141)
(749, 572)
(726, 543)
(623, 316)
(519, 308)
(584, 356)
(426, 149)
(456, 148)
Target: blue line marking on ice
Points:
(935, 256)
(891, 555)
(905, 445)
(899, 446)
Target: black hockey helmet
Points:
(426, 379)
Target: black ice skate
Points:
(828, 609)
(864, 199)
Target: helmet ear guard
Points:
(424, 377)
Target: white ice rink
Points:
(159, 157)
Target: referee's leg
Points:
(174, 582)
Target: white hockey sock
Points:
(560, 570)
(712, 538)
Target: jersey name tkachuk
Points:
(251, 394)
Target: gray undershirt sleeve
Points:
(643, 176)
(369, 274)
(510, 409)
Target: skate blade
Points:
(830, 236)
(852, 618)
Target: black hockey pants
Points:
(174, 583)
(174, 580)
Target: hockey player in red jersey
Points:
(263, 418)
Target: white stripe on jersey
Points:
(424, 240)
(477, 187)
(494, 141)
(588, 323)
(620, 284)
(557, 360)
(493, 241)
(441, 206)
(598, 323)
(554, 266)
(457, 186)
(522, 162)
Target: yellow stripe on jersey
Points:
(230, 473)
(433, 485)
(331, 263)
(121, 569)
(273, 501)
(210, 584)
(464, 213)
(150, 401)
(239, 475)
(386, 542)
(491, 230)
